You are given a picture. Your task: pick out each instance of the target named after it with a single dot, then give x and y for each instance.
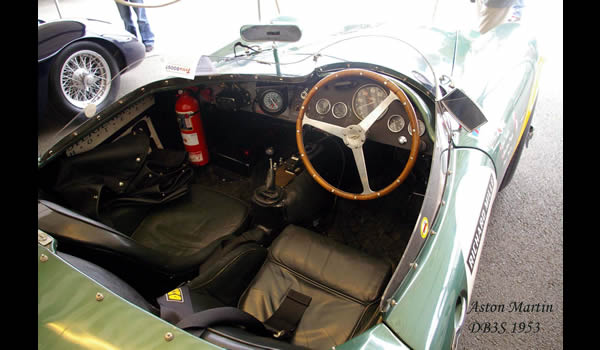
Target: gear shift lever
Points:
(268, 194)
(270, 180)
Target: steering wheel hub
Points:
(354, 136)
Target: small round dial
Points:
(421, 127)
(396, 123)
(366, 99)
(272, 101)
(323, 106)
(339, 110)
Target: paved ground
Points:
(522, 260)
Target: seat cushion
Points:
(185, 226)
(344, 284)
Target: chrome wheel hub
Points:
(85, 78)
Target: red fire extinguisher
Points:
(190, 124)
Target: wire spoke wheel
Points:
(85, 78)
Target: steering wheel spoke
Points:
(328, 128)
(370, 119)
(361, 166)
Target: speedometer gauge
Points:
(366, 99)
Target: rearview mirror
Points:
(271, 32)
(463, 109)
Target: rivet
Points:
(354, 197)
(433, 232)
(99, 296)
(443, 203)
(393, 302)
(385, 83)
(378, 194)
(95, 196)
(43, 258)
(301, 154)
(149, 176)
(169, 336)
(332, 190)
(75, 134)
(302, 107)
(138, 159)
(414, 265)
(121, 184)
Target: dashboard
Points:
(341, 102)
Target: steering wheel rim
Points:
(354, 136)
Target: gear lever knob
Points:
(270, 151)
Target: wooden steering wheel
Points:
(354, 136)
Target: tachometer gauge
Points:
(339, 110)
(421, 127)
(396, 123)
(272, 101)
(366, 99)
(323, 106)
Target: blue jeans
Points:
(142, 21)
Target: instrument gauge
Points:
(421, 127)
(272, 101)
(339, 110)
(396, 123)
(323, 106)
(366, 98)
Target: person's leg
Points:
(490, 17)
(144, 26)
(126, 17)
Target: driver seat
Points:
(345, 286)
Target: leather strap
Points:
(285, 319)
(226, 315)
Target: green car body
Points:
(425, 302)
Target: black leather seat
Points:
(345, 286)
(171, 241)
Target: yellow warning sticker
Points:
(175, 295)
(424, 227)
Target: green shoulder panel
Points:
(75, 312)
